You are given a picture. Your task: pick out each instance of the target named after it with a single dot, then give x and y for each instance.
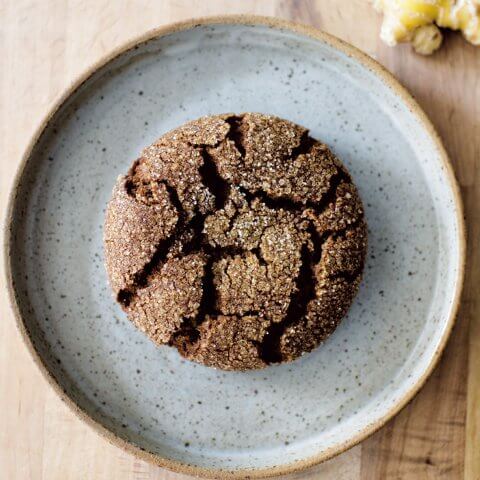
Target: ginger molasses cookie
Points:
(237, 239)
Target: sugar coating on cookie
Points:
(237, 239)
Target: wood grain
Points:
(44, 45)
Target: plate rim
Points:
(275, 23)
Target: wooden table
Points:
(45, 44)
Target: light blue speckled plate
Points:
(147, 399)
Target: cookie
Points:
(237, 239)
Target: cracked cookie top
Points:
(237, 239)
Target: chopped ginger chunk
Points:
(417, 21)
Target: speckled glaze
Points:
(183, 415)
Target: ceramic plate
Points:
(147, 399)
